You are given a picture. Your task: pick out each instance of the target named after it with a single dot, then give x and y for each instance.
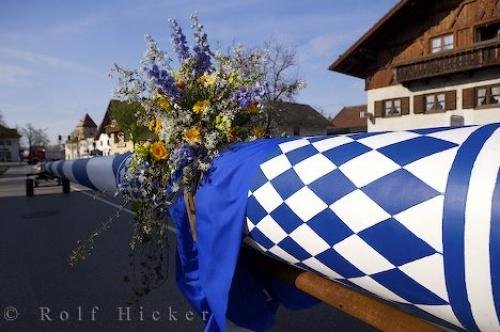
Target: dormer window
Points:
(442, 43)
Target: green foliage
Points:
(125, 115)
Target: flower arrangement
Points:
(191, 108)
(193, 111)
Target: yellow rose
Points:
(208, 80)
(159, 150)
(163, 102)
(201, 106)
(155, 126)
(192, 135)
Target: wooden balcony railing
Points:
(461, 60)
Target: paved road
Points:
(39, 232)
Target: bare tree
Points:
(282, 78)
(34, 136)
(276, 66)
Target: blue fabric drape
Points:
(210, 272)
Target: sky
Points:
(55, 55)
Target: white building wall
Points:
(80, 149)
(118, 145)
(9, 149)
(70, 151)
(103, 144)
(414, 121)
(86, 146)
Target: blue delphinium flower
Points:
(179, 41)
(133, 184)
(246, 97)
(242, 97)
(202, 53)
(183, 156)
(163, 80)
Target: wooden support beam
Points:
(191, 212)
(370, 310)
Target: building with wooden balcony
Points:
(430, 64)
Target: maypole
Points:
(412, 217)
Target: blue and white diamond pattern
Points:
(412, 216)
(365, 210)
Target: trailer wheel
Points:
(30, 188)
(65, 186)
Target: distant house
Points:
(294, 119)
(9, 144)
(109, 137)
(430, 64)
(102, 139)
(350, 119)
(81, 143)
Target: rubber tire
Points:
(65, 186)
(30, 188)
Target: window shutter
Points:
(468, 98)
(379, 109)
(451, 100)
(405, 105)
(418, 104)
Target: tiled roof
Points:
(107, 126)
(293, 114)
(349, 117)
(87, 122)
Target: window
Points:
(435, 102)
(296, 131)
(442, 43)
(392, 107)
(488, 32)
(488, 95)
(481, 96)
(440, 101)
